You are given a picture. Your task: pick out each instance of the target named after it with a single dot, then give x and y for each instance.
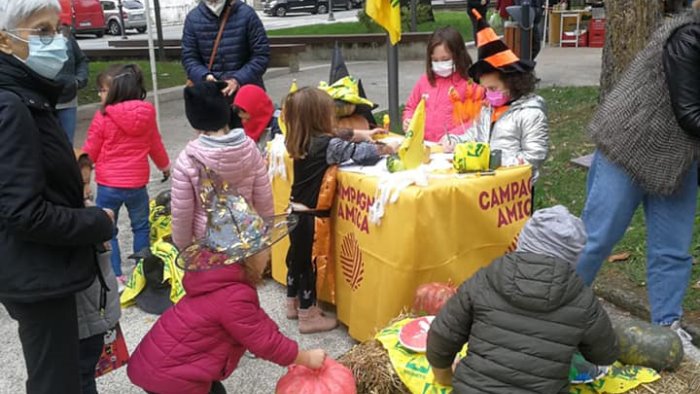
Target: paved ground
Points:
(562, 67)
(270, 22)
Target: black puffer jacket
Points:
(682, 65)
(524, 317)
(46, 235)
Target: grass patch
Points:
(458, 20)
(170, 74)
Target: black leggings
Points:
(301, 272)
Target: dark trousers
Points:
(537, 31)
(90, 351)
(301, 273)
(48, 331)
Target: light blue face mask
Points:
(46, 60)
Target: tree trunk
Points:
(628, 27)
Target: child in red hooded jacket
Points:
(121, 137)
(256, 111)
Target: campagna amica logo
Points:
(352, 261)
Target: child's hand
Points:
(311, 358)
(166, 175)
(388, 148)
(406, 123)
(447, 145)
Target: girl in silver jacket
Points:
(513, 118)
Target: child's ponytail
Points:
(126, 84)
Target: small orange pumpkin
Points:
(431, 297)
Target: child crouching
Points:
(524, 316)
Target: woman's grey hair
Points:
(13, 12)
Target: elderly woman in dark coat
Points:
(47, 236)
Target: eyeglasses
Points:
(46, 36)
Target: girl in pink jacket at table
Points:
(449, 93)
(200, 340)
(121, 137)
(230, 153)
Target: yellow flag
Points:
(280, 119)
(411, 150)
(387, 14)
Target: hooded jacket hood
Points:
(134, 117)
(253, 100)
(198, 283)
(534, 282)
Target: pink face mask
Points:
(497, 98)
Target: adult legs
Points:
(611, 202)
(670, 221)
(67, 117)
(48, 331)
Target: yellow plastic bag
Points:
(160, 223)
(413, 368)
(415, 372)
(471, 157)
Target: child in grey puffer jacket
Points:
(93, 322)
(524, 316)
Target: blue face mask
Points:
(46, 60)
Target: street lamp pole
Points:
(121, 20)
(331, 17)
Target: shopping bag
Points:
(114, 353)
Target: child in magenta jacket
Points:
(200, 340)
(230, 153)
(121, 137)
(446, 75)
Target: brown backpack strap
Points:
(227, 13)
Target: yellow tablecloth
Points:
(445, 231)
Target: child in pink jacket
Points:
(122, 136)
(200, 340)
(229, 153)
(447, 66)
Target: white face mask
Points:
(215, 6)
(444, 69)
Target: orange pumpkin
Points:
(430, 297)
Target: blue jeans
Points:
(68, 118)
(136, 201)
(612, 200)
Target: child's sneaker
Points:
(582, 371)
(121, 283)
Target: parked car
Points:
(83, 16)
(133, 11)
(282, 7)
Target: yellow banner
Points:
(387, 14)
(445, 231)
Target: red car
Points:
(83, 16)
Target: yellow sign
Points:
(387, 14)
(411, 152)
(445, 231)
